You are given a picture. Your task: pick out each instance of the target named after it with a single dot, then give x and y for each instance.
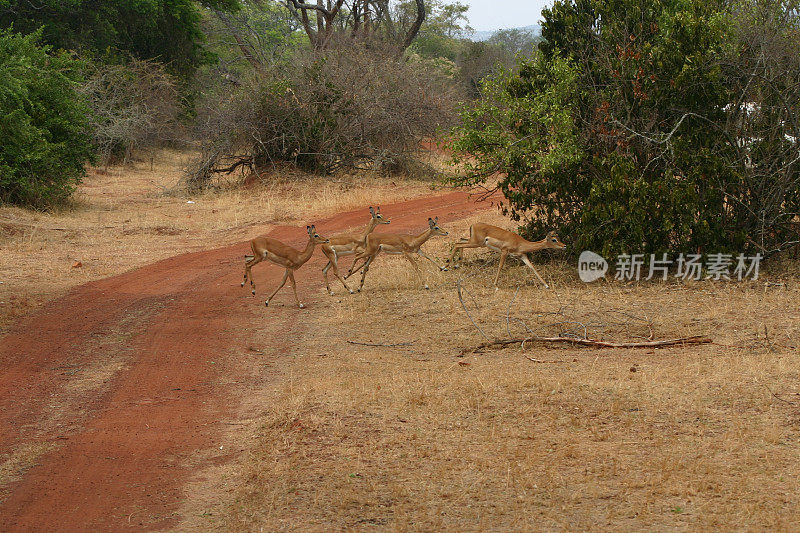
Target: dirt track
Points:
(110, 396)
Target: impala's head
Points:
(314, 236)
(377, 217)
(552, 241)
(434, 225)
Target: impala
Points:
(348, 244)
(507, 243)
(394, 244)
(283, 255)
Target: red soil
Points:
(125, 380)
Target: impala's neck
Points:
(420, 239)
(305, 255)
(373, 223)
(532, 246)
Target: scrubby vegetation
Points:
(346, 108)
(133, 105)
(111, 30)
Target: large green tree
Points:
(166, 30)
(629, 130)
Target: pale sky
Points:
(494, 15)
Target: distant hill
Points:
(486, 35)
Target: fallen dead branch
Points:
(543, 360)
(776, 396)
(696, 339)
(381, 345)
(568, 336)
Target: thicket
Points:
(648, 127)
(44, 126)
(132, 106)
(342, 108)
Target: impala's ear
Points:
(436, 220)
(379, 209)
(313, 228)
(371, 211)
(308, 230)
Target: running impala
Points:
(507, 243)
(348, 244)
(394, 244)
(283, 255)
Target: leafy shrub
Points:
(43, 123)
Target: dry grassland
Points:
(416, 437)
(126, 217)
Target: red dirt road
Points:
(110, 395)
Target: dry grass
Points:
(417, 438)
(125, 217)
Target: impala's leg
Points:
(416, 267)
(246, 260)
(325, 275)
(458, 249)
(271, 296)
(335, 266)
(423, 254)
(530, 265)
(248, 274)
(365, 266)
(503, 256)
(331, 255)
(453, 251)
(294, 288)
(353, 269)
(362, 254)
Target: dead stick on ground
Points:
(382, 345)
(697, 339)
(542, 360)
(776, 396)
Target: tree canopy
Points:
(166, 30)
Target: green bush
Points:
(43, 123)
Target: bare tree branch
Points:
(412, 32)
(247, 52)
